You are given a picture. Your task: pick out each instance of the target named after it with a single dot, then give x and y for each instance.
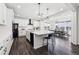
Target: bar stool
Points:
(46, 38)
(51, 45)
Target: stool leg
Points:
(43, 42)
(47, 42)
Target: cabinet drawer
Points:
(2, 13)
(3, 51)
(5, 46)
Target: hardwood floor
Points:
(22, 47)
(62, 47)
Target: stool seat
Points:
(46, 37)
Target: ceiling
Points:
(30, 10)
(75, 4)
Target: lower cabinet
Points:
(9, 44)
(2, 48)
(32, 39)
(28, 35)
(22, 32)
(6, 46)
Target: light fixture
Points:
(41, 14)
(61, 9)
(39, 9)
(69, 15)
(18, 6)
(18, 15)
(47, 11)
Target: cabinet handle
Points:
(5, 50)
(1, 47)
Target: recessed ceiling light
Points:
(61, 9)
(18, 15)
(18, 6)
(36, 13)
(69, 15)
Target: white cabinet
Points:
(2, 47)
(6, 40)
(22, 32)
(28, 35)
(5, 45)
(9, 16)
(8, 44)
(2, 13)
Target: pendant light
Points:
(47, 11)
(39, 14)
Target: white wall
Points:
(8, 25)
(64, 16)
(74, 28)
(21, 22)
(77, 25)
(74, 24)
(22, 25)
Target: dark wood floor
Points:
(62, 47)
(22, 47)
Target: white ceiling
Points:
(75, 4)
(27, 10)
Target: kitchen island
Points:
(36, 37)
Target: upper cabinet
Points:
(9, 16)
(2, 13)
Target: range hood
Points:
(30, 23)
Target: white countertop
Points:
(40, 32)
(4, 35)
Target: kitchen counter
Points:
(41, 32)
(6, 41)
(4, 34)
(36, 37)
